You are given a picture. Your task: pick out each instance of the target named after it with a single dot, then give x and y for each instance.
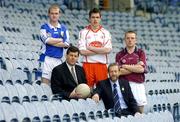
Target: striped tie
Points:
(117, 105)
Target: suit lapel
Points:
(109, 89)
(122, 90)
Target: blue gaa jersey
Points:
(48, 31)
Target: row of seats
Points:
(75, 111)
(20, 90)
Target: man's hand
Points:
(95, 98)
(75, 95)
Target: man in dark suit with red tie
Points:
(66, 76)
(116, 94)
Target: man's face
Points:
(95, 19)
(54, 14)
(114, 73)
(130, 40)
(72, 58)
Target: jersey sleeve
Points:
(66, 38)
(66, 34)
(142, 57)
(117, 59)
(108, 40)
(43, 34)
(81, 41)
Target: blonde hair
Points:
(54, 6)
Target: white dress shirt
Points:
(121, 99)
(69, 67)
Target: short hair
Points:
(130, 31)
(54, 6)
(94, 10)
(73, 49)
(111, 65)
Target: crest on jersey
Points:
(123, 61)
(48, 34)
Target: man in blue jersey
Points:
(55, 37)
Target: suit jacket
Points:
(62, 81)
(104, 90)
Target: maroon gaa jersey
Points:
(123, 57)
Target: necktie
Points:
(73, 74)
(117, 105)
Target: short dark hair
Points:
(111, 65)
(130, 31)
(94, 10)
(72, 49)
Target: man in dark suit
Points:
(121, 99)
(66, 76)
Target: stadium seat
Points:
(92, 104)
(38, 89)
(47, 90)
(82, 117)
(91, 115)
(78, 108)
(19, 109)
(30, 109)
(1, 115)
(68, 107)
(61, 108)
(3, 92)
(51, 109)
(8, 112)
(12, 91)
(41, 110)
(30, 89)
(85, 107)
(66, 118)
(20, 48)
(21, 90)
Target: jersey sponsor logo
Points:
(96, 44)
(55, 32)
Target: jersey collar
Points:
(135, 50)
(52, 27)
(89, 28)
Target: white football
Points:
(83, 89)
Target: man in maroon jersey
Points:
(132, 66)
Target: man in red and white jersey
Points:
(95, 44)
